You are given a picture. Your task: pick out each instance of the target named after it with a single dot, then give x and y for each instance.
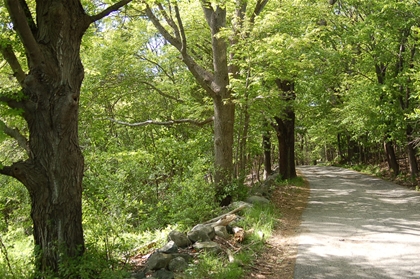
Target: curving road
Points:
(357, 226)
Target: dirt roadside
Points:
(278, 260)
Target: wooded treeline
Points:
(184, 103)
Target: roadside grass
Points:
(259, 221)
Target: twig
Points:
(6, 255)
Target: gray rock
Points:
(169, 248)
(164, 274)
(180, 239)
(207, 229)
(209, 246)
(186, 257)
(158, 260)
(178, 264)
(138, 275)
(221, 231)
(257, 199)
(237, 204)
(195, 236)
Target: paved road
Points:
(358, 226)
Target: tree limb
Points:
(14, 133)
(259, 6)
(12, 103)
(11, 59)
(29, 17)
(166, 73)
(6, 170)
(170, 21)
(24, 171)
(21, 25)
(109, 10)
(181, 30)
(161, 92)
(164, 123)
(162, 30)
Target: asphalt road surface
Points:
(357, 226)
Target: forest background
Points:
(183, 105)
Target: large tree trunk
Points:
(391, 158)
(285, 128)
(224, 112)
(55, 183)
(54, 170)
(53, 173)
(286, 140)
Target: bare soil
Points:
(279, 257)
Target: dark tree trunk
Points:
(267, 154)
(285, 129)
(411, 152)
(54, 170)
(53, 173)
(391, 158)
(340, 149)
(286, 141)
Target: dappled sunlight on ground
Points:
(357, 226)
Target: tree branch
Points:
(170, 21)
(182, 31)
(161, 92)
(21, 25)
(166, 73)
(164, 123)
(109, 10)
(6, 170)
(259, 6)
(162, 30)
(24, 171)
(11, 59)
(12, 103)
(29, 17)
(14, 133)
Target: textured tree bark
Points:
(53, 173)
(285, 128)
(286, 140)
(391, 158)
(54, 170)
(224, 113)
